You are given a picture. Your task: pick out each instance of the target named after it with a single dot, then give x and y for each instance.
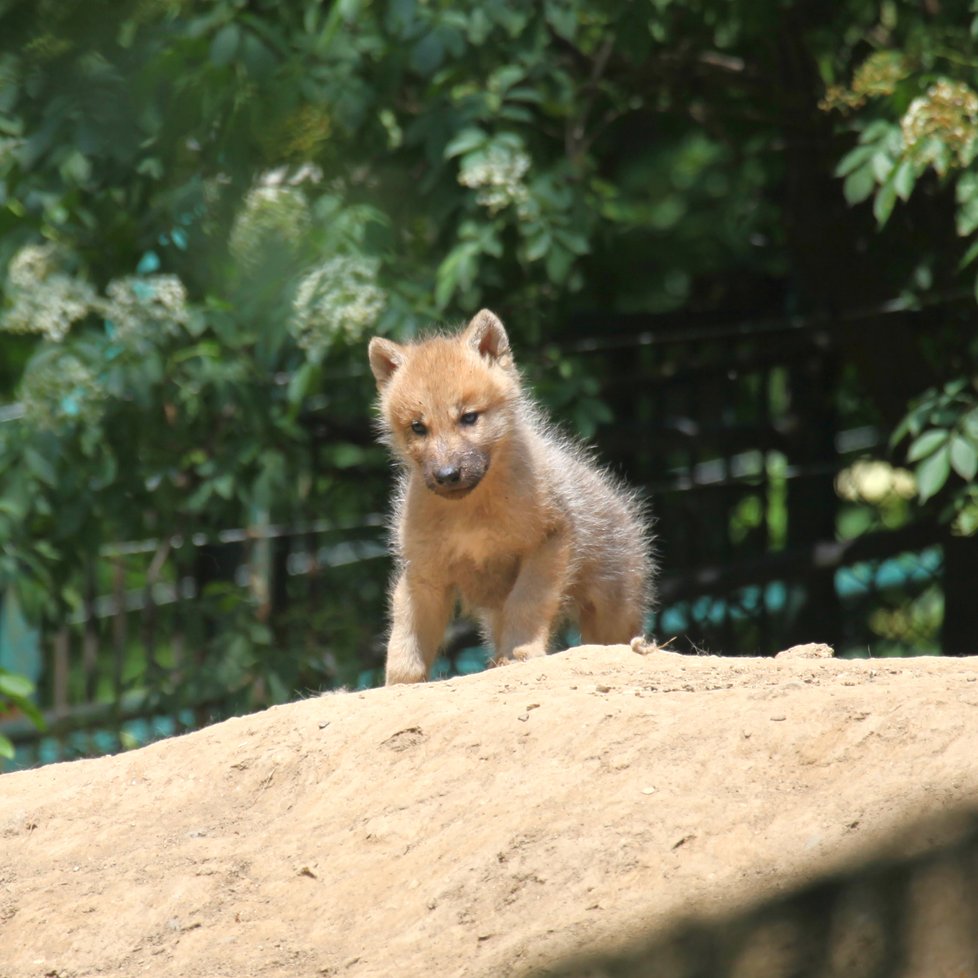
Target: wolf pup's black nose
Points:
(447, 475)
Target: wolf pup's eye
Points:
(469, 418)
(419, 428)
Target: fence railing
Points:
(778, 520)
(175, 633)
(158, 653)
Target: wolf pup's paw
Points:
(531, 650)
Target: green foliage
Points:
(916, 114)
(205, 209)
(15, 696)
(942, 427)
(938, 130)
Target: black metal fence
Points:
(176, 633)
(781, 517)
(779, 520)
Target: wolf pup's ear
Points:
(385, 357)
(486, 335)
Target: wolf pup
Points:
(495, 508)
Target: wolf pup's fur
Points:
(495, 508)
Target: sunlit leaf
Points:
(466, 141)
(964, 457)
(932, 473)
(904, 177)
(877, 131)
(15, 686)
(883, 203)
(928, 443)
(859, 185)
(969, 423)
(854, 160)
(882, 166)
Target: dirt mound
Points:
(481, 826)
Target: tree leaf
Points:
(966, 196)
(904, 178)
(31, 711)
(40, 467)
(558, 264)
(909, 424)
(883, 204)
(563, 19)
(966, 219)
(14, 686)
(304, 380)
(969, 423)
(466, 141)
(427, 54)
(882, 166)
(574, 240)
(964, 457)
(854, 160)
(932, 473)
(506, 77)
(479, 27)
(928, 443)
(859, 185)
(876, 131)
(225, 45)
(456, 271)
(538, 244)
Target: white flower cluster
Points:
(136, 306)
(339, 298)
(43, 299)
(946, 116)
(59, 390)
(274, 215)
(873, 481)
(32, 264)
(498, 175)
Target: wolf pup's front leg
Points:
(524, 626)
(419, 614)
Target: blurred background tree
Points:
(205, 209)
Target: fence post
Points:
(812, 502)
(959, 630)
(60, 684)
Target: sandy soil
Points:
(481, 826)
